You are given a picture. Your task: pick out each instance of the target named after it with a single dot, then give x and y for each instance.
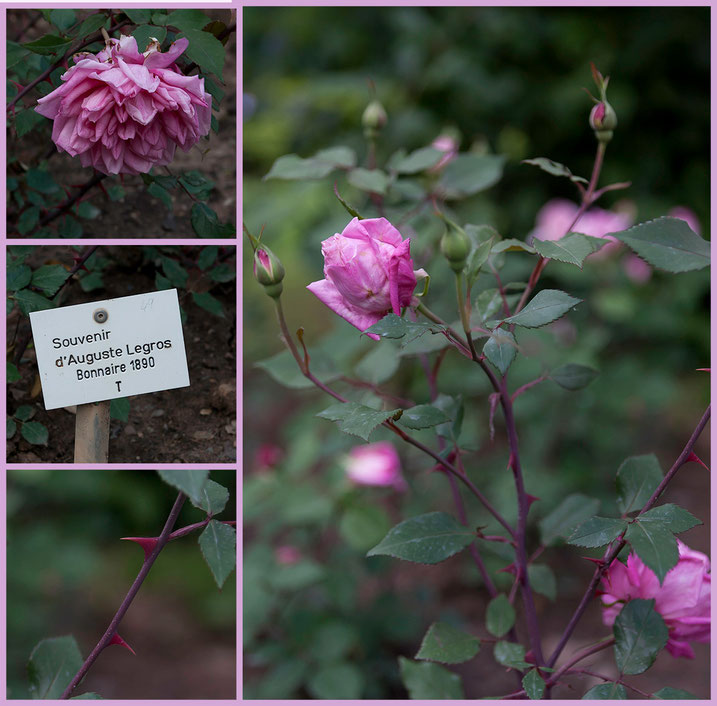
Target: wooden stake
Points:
(92, 432)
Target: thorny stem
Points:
(578, 657)
(146, 566)
(604, 677)
(69, 202)
(615, 548)
(465, 314)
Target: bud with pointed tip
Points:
(373, 119)
(603, 119)
(269, 271)
(455, 245)
(147, 543)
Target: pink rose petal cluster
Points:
(683, 599)
(375, 464)
(368, 272)
(123, 112)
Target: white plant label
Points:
(109, 349)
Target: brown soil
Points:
(195, 424)
(138, 214)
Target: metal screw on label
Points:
(100, 315)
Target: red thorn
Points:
(696, 459)
(147, 543)
(599, 562)
(117, 640)
(510, 569)
(17, 85)
(530, 657)
(531, 498)
(511, 461)
(76, 259)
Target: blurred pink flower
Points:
(449, 146)
(267, 456)
(368, 272)
(683, 600)
(636, 269)
(375, 464)
(554, 219)
(688, 216)
(287, 554)
(123, 112)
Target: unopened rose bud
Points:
(603, 120)
(455, 246)
(374, 118)
(268, 271)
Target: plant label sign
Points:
(108, 349)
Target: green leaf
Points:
(26, 120)
(468, 174)
(176, 274)
(205, 50)
(446, 644)
(12, 373)
(372, 180)
(379, 364)
(667, 243)
(218, 545)
(542, 579)
(572, 376)
(510, 654)
(500, 349)
(24, 412)
(190, 482)
(215, 90)
(426, 539)
(92, 281)
(207, 257)
(610, 691)
(69, 227)
(207, 302)
(88, 210)
(499, 616)
(18, 276)
(392, 326)
(554, 168)
(640, 633)
(223, 272)
(636, 481)
(49, 44)
(546, 306)
(15, 53)
(49, 278)
(205, 223)
(572, 248)
(116, 192)
(11, 427)
(63, 19)
(53, 663)
(188, 19)
(119, 409)
(212, 498)
(341, 680)
(356, 419)
(138, 16)
(41, 181)
(426, 680)
(478, 257)
(561, 522)
(655, 545)
(597, 531)
(418, 161)
(29, 301)
(422, 416)
(283, 368)
(291, 166)
(362, 526)
(533, 684)
(87, 695)
(667, 692)
(145, 33)
(454, 409)
(672, 517)
(92, 24)
(512, 245)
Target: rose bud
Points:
(603, 120)
(268, 271)
(374, 118)
(455, 245)
(683, 599)
(368, 273)
(375, 464)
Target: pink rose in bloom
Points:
(375, 464)
(369, 272)
(555, 217)
(123, 112)
(683, 600)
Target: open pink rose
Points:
(369, 272)
(375, 464)
(123, 112)
(683, 600)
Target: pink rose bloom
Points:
(555, 217)
(123, 112)
(375, 464)
(683, 600)
(369, 272)
(688, 216)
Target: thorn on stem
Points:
(117, 640)
(147, 543)
(696, 459)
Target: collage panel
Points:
(121, 123)
(476, 353)
(70, 580)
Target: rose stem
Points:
(146, 566)
(70, 201)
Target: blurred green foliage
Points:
(64, 557)
(508, 80)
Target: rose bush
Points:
(683, 599)
(123, 112)
(368, 272)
